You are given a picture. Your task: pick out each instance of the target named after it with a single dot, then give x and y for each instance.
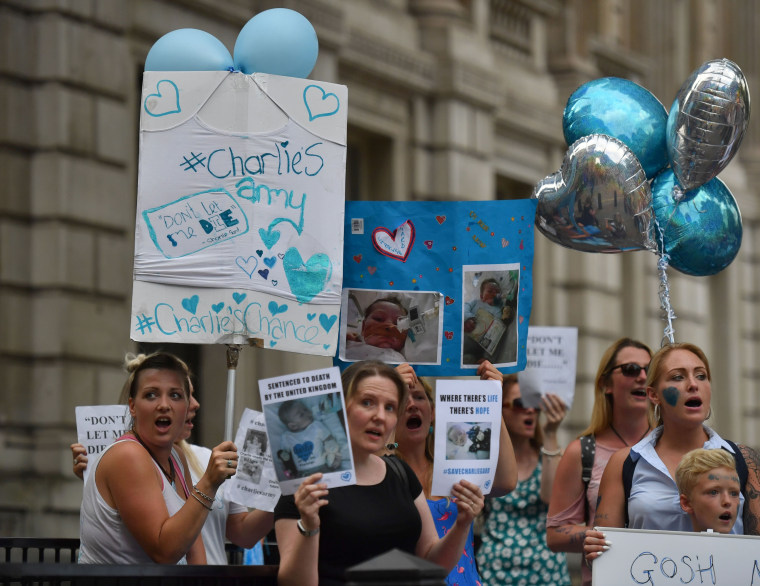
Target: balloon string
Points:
(662, 267)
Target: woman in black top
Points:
(319, 536)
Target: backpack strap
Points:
(398, 468)
(629, 465)
(588, 452)
(741, 467)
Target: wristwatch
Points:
(305, 532)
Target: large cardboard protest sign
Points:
(239, 232)
(665, 558)
(441, 285)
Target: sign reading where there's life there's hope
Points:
(239, 233)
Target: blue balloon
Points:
(624, 110)
(188, 49)
(702, 233)
(278, 41)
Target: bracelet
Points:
(203, 494)
(545, 452)
(204, 505)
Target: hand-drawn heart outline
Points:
(243, 263)
(402, 241)
(274, 309)
(327, 321)
(162, 99)
(319, 103)
(191, 303)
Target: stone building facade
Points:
(448, 99)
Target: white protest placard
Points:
(255, 482)
(467, 426)
(239, 228)
(98, 426)
(675, 558)
(552, 355)
(305, 422)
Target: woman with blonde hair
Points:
(618, 420)
(638, 488)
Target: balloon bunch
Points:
(639, 177)
(277, 41)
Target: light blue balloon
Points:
(702, 233)
(188, 49)
(278, 41)
(624, 110)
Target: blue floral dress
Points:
(514, 549)
(465, 573)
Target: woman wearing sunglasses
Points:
(679, 390)
(513, 549)
(618, 420)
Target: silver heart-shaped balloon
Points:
(707, 122)
(599, 201)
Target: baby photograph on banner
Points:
(395, 327)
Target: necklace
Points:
(615, 431)
(169, 475)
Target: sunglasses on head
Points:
(630, 369)
(518, 405)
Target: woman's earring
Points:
(657, 413)
(430, 430)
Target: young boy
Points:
(709, 488)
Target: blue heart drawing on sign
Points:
(319, 102)
(259, 252)
(217, 307)
(272, 343)
(163, 103)
(327, 321)
(346, 476)
(191, 303)
(247, 265)
(264, 273)
(270, 261)
(274, 309)
(307, 279)
(304, 450)
(311, 316)
(269, 237)
(238, 297)
(325, 346)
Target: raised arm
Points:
(128, 480)
(567, 503)
(447, 550)
(751, 516)
(610, 506)
(247, 529)
(505, 476)
(554, 410)
(299, 554)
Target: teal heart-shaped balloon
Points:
(307, 279)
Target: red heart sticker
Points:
(371, 270)
(397, 244)
(429, 244)
(358, 257)
(441, 219)
(449, 300)
(449, 335)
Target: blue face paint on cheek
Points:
(671, 396)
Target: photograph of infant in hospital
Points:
(392, 326)
(468, 441)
